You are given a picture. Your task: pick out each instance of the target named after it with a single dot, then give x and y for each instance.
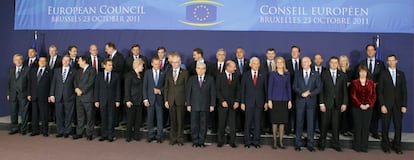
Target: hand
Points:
(146, 104)
(290, 105)
(167, 105)
(343, 108)
(52, 99)
(265, 107)
(97, 104)
(189, 108)
(224, 104)
(8, 98)
(29, 98)
(243, 107)
(157, 91)
(117, 104)
(211, 108)
(323, 108)
(384, 109)
(236, 105)
(306, 94)
(362, 106)
(129, 104)
(403, 109)
(270, 104)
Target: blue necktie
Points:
(306, 78)
(394, 78)
(156, 78)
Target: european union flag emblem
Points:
(201, 13)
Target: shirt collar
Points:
(390, 69)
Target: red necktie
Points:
(254, 79)
(229, 78)
(94, 63)
(161, 65)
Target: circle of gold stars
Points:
(201, 7)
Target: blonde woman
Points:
(279, 99)
(346, 122)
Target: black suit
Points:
(34, 64)
(216, 69)
(246, 66)
(292, 112)
(254, 97)
(129, 60)
(98, 62)
(374, 75)
(85, 80)
(173, 94)
(64, 92)
(332, 95)
(107, 92)
(74, 63)
(118, 66)
(39, 87)
(193, 65)
(17, 92)
(200, 98)
(393, 97)
(228, 91)
(57, 62)
(240, 115)
(133, 93)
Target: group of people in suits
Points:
(291, 95)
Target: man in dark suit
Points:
(392, 96)
(253, 101)
(174, 99)
(307, 85)
(242, 66)
(201, 98)
(39, 87)
(216, 69)
(228, 97)
(31, 61)
(318, 67)
(55, 60)
(62, 93)
(332, 101)
(135, 54)
(17, 95)
(161, 52)
(84, 85)
(107, 93)
(73, 54)
(198, 58)
(375, 67)
(95, 59)
(266, 67)
(152, 95)
(293, 65)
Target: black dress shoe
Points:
(298, 149)
(257, 146)
(102, 139)
(180, 143)
(311, 149)
(65, 135)
(195, 145)
(399, 152)
(128, 139)
(338, 149)
(89, 138)
(375, 136)
(274, 146)
(220, 145)
(34, 134)
(149, 140)
(232, 145)
(45, 135)
(111, 139)
(13, 132)
(202, 145)
(23, 133)
(59, 135)
(75, 137)
(281, 146)
(159, 141)
(173, 143)
(321, 148)
(246, 146)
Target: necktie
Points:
(229, 78)
(135, 57)
(52, 63)
(255, 79)
(107, 77)
(306, 78)
(18, 72)
(296, 65)
(39, 74)
(30, 63)
(156, 78)
(175, 75)
(241, 66)
(161, 65)
(318, 69)
(94, 63)
(200, 81)
(370, 65)
(334, 78)
(64, 75)
(270, 66)
(219, 68)
(394, 78)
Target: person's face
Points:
(239, 53)
(135, 51)
(52, 51)
(93, 50)
(161, 53)
(343, 62)
(42, 62)
(392, 62)
(175, 62)
(155, 64)
(73, 52)
(270, 55)
(333, 64)
(363, 74)
(109, 50)
(201, 70)
(255, 65)
(31, 53)
(108, 66)
(65, 61)
(221, 56)
(231, 67)
(139, 68)
(18, 60)
(306, 62)
(371, 52)
(81, 62)
(318, 60)
(295, 53)
(280, 64)
(196, 56)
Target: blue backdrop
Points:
(255, 43)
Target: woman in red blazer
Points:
(363, 97)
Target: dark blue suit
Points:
(254, 97)
(307, 104)
(155, 101)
